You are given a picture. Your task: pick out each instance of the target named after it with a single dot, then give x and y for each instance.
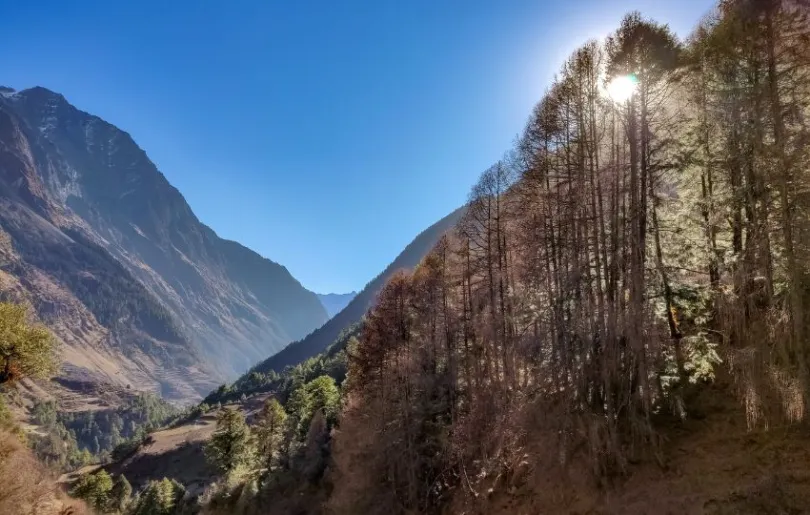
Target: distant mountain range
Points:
(333, 303)
(112, 258)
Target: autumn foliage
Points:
(624, 253)
(27, 487)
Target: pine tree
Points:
(95, 489)
(121, 494)
(25, 349)
(162, 497)
(269, 430)
(231, 445)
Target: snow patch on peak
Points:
(90, 133)
(49, 119)
(7, 92)
(63, 181)
(112, 148)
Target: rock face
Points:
(334, 303)
(114, 260)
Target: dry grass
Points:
(712, 464)
(175, 453)
(26, 487)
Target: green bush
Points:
(162, 497)
(94, 489)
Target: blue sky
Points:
(323, 134)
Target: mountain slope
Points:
(354, 311)
(113, 330)
(333, 303)
(91, 223)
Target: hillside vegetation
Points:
(646, 236)
(69, 440)
(27, 487)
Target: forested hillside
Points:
(646, 236)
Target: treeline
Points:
(281, 452)
(271, 462)
(278, 462)
(647, 233)
(331, 362)
(114, 496)
(27, 486)
(68, 440)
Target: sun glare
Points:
(621, 88)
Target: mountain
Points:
(333, 303)
(354, 311)
(114, 260)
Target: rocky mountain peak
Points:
(89, 181)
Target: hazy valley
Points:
(334, 303)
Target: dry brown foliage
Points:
(27, 487)
(601, 271)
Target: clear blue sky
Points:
(323, 134)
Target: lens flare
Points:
(621, 88)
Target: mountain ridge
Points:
(65, 170)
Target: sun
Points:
(621, 88)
